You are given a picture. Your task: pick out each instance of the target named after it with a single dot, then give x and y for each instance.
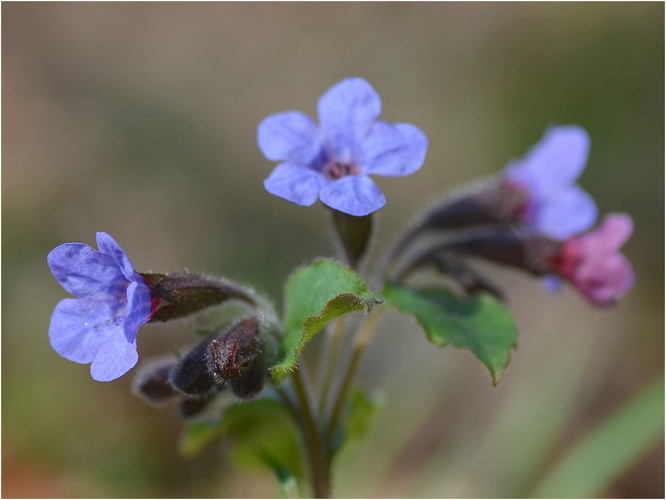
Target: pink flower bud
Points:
(593, 264)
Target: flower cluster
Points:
(332, 162)
(536, 218)
(533, 216)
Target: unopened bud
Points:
(183, 294)
(511, 247)
(232, 351)
(192, 375)
(250, 381)
(192, 406)
(490, 202)
(234, 355)
(152, 381)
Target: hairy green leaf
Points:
(315, 295)
(480, 324)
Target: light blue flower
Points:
(332, 162)
(113, 301)
(556, 207)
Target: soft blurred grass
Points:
(139, 119)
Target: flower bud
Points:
(192, 375)
(250, 381)
(488, 203)
(231, 351)
(152, 382)
(233, 355)
(183, 294)
(191, 406)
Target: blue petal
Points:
(571, 212)
(85, 272)
(291, 136)
(346, 113)
(295, 183)
(393, 150)
(81, 327)
(355, 195)
(554, 163)
(113, 360)
(108, 246)
(139, 306)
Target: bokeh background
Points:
(139, 119)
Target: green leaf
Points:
(288, 482)
(480, 324)
(261, 433)
(315, 295)
(360, 416)
(610, 449)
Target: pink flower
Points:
(593, 264)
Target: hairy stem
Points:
(362, 340)
(320, 462)
(334, 348)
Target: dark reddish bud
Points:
(152, 382)
(191, 406)
(192, 375)
(183, 294)
(232, 351)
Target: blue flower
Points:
(556, 206)
(332, 162)
(113, 301)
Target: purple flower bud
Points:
(332, 162)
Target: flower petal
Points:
(355, 195)
(108, 246)
(290, 136)
(569, 213)
(554, 163)
(614, 230)
(603, 280)
(139, 306)
(393, 150)
(298, 184)
(113, 360)
(85, 272)
(346, 113)
(80, 327)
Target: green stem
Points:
(319, 456)
(362, 340)
(332, 357)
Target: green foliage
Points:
(480, 324)
(361, 412)
(261, 433)
(315, 295)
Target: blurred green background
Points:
(139, 119)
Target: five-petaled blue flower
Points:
(332, 162)
(113, 302)
(556, 207)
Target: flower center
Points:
(336, 170)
